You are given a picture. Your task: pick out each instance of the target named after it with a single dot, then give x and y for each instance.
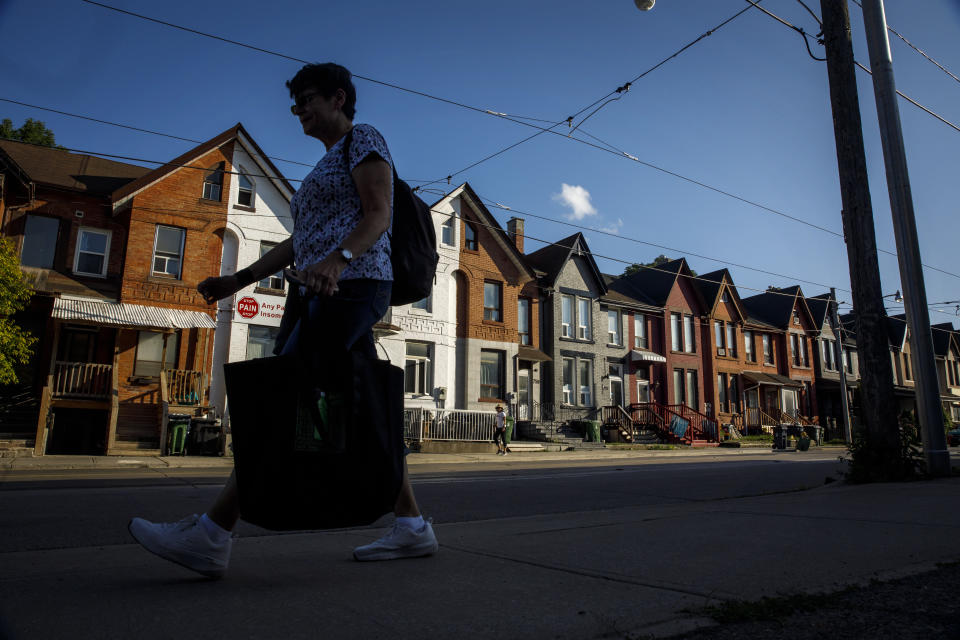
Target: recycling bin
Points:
(508, 433)
(779, 437)
(178, 424)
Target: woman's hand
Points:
(218, 288)
(322, 278)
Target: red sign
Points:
(248, 307)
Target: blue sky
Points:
(745, 110)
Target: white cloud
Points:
(577, 199)
(614, 227)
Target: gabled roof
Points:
(237, 131)
(656, 283)
(897, 330)
(552, 258)
(820, 308)
(711, 285)
(498, 233)
(67, 170)
(774, 307)
(943, 337)
(619, 291)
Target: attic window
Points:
(213, 182)
(796, 317)
(244, 191)
(725, 296)
(469, 237)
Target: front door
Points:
(616, 386)
(523, 394)
(643, 391)
(790, 402)
(770, 405)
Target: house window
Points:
(906, 367)
(678, 392)
(676, 339)
(795, 349)
(748, 346)
(416, 371)
(469, 237)
(491, 374)
(796, 316)
(567, 381)
(566, 316)
(245, 190)
(734, 396)
(493, 301)
(732, 340)
(39, 242)
(613, 326)
(804, 354)
(213, 182)
(150, 352)
(718, 335)
(260, 341)
(725, 296)
(693, 398)
(689, 344)
(586, 384)
(893, 365)
(722, 393)
(767, 349)
(93, 247)
(276, 280)
(523, 320)
(640, 331)
(446, 231)
(583, 319)
(168, 251)
(848, 360)
(426, 304)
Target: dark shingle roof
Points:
(74, 171)
(773, 307)
(551, 258)
(710, 284)
(656, 283)
(820, 308)
(619, 290)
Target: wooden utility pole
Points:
(878, 406)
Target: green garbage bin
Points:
(177, 425)
(593, 431)
(508, 432)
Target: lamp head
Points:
(644, 5)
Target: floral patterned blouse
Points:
(326, 208)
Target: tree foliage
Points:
(659, 260)
(15, 343)
(32, 132)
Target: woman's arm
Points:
(372, 177)
(216, 288)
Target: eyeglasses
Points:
(301, 101)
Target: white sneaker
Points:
(185, 543)
(400, 542)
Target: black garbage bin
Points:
(205, 438)
(779, 437)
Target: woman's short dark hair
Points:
(326, 78)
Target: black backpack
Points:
(413, 242)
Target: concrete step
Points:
(525, 446)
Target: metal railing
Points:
(555, 412)
(701, 426)
(84, 380)
(448, 424)
(186, 387)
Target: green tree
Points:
(15, 343)
(659, 260)
(32, 131)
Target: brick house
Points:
(779, 382)
(724, 355)
(125, 337)
(574, 332)
(489, 291)
(946, 349)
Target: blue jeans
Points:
(344, 321)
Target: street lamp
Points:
(896, 296)
(644, 5)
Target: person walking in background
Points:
(500, 431)
(340, 244)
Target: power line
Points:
(915, 103)
(132, 128)
(915, 48)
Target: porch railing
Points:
(616, 416)
(701, 427)
(186, 387)
(554, 412)
(448, 424)
(82, 380)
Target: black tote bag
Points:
(316, 449)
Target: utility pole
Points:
(838, 351)
(878, 408)
(908, 248)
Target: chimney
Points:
(515, 229)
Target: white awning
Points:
(642, 355)
(129, 315)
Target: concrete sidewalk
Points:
(622, 573)
(58, 462)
